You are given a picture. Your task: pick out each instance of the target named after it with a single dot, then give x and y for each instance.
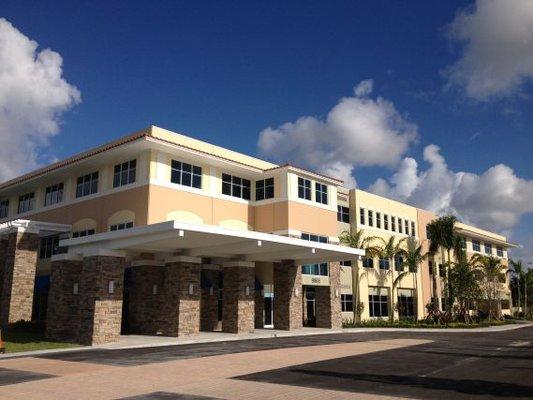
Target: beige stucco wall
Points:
(100, 208)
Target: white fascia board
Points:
(164, 230)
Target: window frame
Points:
(362, 216)
(87, 184)
(264, 189)
(4, 208)
(384, 263)
(179, 174)
(304, 188)
(236, 186)
(53, 194)
(26, 202)
(321, 269)
(321, 193)
(121, 226)
(386, 222)
(83, 233)
(346, 302)
(379, 301)
(48, 246)
(370, 216)
(343, 214)
(476, 243)
(124, 173)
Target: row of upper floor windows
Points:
(380, 220)
(487, 248)
(305, 190)
(125, 173)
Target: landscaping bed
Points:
(29, 337)
(425, 324)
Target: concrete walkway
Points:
(142, 341)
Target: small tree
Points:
(491, 272)
(465, 283)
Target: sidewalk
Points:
(141, 341)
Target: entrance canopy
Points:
(178, 238)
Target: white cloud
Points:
(497, 56)
(495, 200)
(364, 88)
(358, 131)
(33, 95)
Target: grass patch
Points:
(29, 337)
(378, 323)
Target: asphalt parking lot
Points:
(419, 365)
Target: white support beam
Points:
(280, 255)
(125, 243)
(240, 247)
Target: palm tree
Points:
(358, 240)
(413, 257)
(389, 250)
(441, 235)
(491, 270)
(517, 270)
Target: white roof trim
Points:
(25, 225)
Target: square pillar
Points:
(239, 297)
(18, 275)
(62, 318)
(328, 300)
(180, 307)
(145, 297)
(287, 296)
(101, 289)
(209, 302)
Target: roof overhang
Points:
(39, 227)
(178, 238)
(488, 238)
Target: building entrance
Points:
(310, 306)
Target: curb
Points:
(277, 334)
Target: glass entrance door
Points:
(310, 304)
(269, 310)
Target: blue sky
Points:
(225, 71)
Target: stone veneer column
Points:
(238, 297)
(180, 309)
(18, 275)
(209, 302)
(145, 297)
(328, 302)
(287, 295)
(101, 308)
(62, 317)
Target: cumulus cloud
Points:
(357, 131)
(495, 200)
(33, 95)
(497, 40)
